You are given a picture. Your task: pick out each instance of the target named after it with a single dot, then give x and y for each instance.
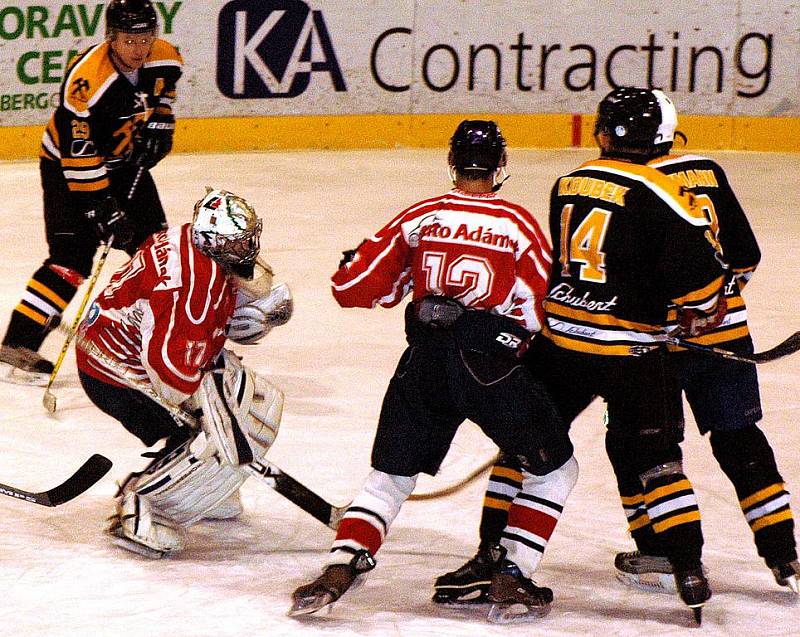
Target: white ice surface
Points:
(59, 576)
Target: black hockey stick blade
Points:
(298, 493)
(784, 348)
(89, 473)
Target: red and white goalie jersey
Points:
(161, 318)
(484, 251)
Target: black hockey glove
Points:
(109, 221)
(154, 141)
(349, 255)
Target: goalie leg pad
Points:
(241, 411)
(174, 492)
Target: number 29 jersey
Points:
(484, 251)
(628, 243)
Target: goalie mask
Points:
(225, 227)
(638, 120)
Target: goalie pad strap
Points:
(182, 487)
(229, 424)
(241, 411)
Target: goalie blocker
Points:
(199, 478)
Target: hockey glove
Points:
(692, 323)
(110, 223)
(154, 141)
(349, 255)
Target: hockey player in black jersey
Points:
(629, 246)
(113, 124)
(724, 398)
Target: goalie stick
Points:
(87, 475)
(784, 348)
(272, 475)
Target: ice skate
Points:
(651, 573)
(788, 575)
(468, 584)
(334, 582)
(23, 366)
(694, 590)
(515, 598)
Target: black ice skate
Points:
(515, 598)
(468, 584)
(788, 575)
(334, 582)
(23, 366)
(693, 589)
(651, 573)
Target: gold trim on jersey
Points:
(668, 190)
(705, 296)
(88, 80)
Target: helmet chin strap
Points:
(499, 184)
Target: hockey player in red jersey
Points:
(159, 328)
(476, 266)
(114, 122)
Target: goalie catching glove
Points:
(253, 319)
(241, 410)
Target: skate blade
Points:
(453, 599)
(649, 582)
(515, 613)
(697, 611)
(793, 584)
(135, 547)
(308, 605)
(17, 376)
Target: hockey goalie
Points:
(152, 347)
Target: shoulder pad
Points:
(662, 186)
(163, 53)
(88, 79)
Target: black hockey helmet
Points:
(477, 145)
(131, 16)
(637, 119)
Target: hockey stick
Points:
(87, 475)
(784, 348)
(49, 398)
(463, 482)
(272, 475)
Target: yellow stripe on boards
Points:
(232, 134)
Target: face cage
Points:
(235, 250)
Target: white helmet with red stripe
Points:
(226, 228)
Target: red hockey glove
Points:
(693, 323)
